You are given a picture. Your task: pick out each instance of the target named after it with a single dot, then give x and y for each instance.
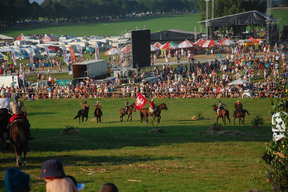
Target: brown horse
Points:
(129, 112)
(98, 114)
(145, 113)
(19, 136)
(240, 114)
(223, 113)
(4, 121)
(82, 113)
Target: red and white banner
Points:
(72, 55)
(96, 51)
(140, 101)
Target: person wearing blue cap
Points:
(16, 181)
(56, 180)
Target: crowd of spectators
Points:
(267, 76)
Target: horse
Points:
(19, 136)
(98, 114)
(240, 114)
(145, 113)
(129, 112)
(223, 113)
(82, 113)
(4, 121)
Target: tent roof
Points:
(172, 35)
(245, 18)
(5, 37)
(238, 82)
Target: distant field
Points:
(155, 24)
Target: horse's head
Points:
(163, 106)
(215, 107)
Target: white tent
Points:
(239, 82)
(5, 37)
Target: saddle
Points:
(16, 117)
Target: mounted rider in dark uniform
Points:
(126, 106)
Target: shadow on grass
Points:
(135, 136)
(41, 113)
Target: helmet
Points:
(97, 101)
(238, 101)
(152, 100)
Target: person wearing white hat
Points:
(152, 106)
(97, 105)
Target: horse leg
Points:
(25, 148)
(100, 119)
(130, 117)
(217, 119)
(121, 118)
(234, 120)
(224, 120)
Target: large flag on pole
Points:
(31, 55)
(96, 51)
(47, 51)
(13, 56)
(79, 49)
(72, 55)
(140, 101)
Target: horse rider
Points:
(152, 106)
(16, 108)
(238, 106)
(97, 105)
(221, 106)
(84, 105)
(126, 105)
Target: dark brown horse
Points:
(240, 114)
(4, 121)
(82, 113)
(19, 136)
(223, 113)
(129, 112)
(145, 113)
(98, 114)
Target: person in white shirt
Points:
(278, 123)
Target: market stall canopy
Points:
(185, 44)
(20, 37)
(210, 43)
(245, 18)
(169, 45)
(199, 42)
(252, 40)
(157, 44)
(112, 51)
(154, 48)
(126, 49)
(227, 42)
(5, 37)
(239, 82)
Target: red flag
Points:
(140, 101)
(72, 54)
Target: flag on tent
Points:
(13, 56)
(72, 55)
(185, 44)
(79, 48)
(47, 51)
(140, 101)
(31, 55)
(96, 51)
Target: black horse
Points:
(98, 114)
(82, 113)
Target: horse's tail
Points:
(78, 114)
(246, 112)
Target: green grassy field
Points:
(281, 14)
(155, 24)
(182, 159)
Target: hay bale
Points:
(194, 118)
(156, 131)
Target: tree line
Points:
(15, 12)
